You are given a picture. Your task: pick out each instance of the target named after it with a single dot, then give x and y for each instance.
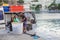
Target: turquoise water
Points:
(52, 23)
(48, 26)
(49, 29)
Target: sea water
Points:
(48, 29)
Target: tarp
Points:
(16, 8)
(1, 15)
(5, 4)
(6, 8)
(2, 27)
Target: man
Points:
(24, 19)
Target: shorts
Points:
(24, 24)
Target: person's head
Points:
(21, 14)
(15, 16)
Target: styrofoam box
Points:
(17, 27)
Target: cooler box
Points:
(17, 28)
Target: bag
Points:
(33, 21)
(28, 22)
(29, 27)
